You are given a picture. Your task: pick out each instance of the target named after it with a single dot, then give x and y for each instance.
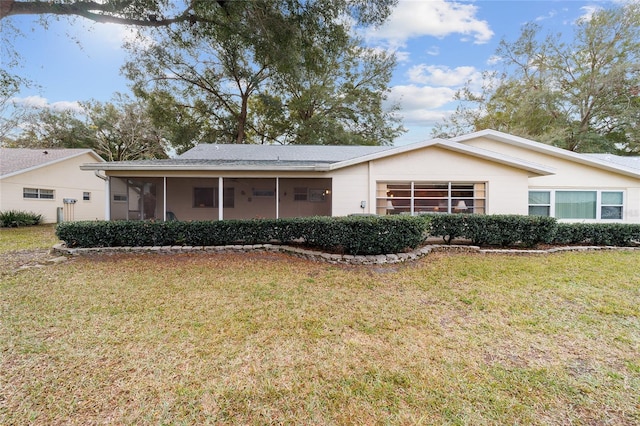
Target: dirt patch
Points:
(13, 261)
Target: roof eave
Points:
(200, 167)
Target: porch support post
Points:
(220, 197)
(164, 198)
(107, 198)
(277, 198)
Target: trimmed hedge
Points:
(529, 231)
(15, 218)
(599, 234)
(368, 235)
(500, 230)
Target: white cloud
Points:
(440, 75)
(433, 51)
(38, 102)
(420, 105)
(437, 18)
(549, 15)
(588, 12)
(403, 56)
(494, 59)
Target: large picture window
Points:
(562, 204)
(430, 197)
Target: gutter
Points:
(97, 173)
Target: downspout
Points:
(107, 198)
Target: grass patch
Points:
(27, 238)
(266, 338)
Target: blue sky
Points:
(440, 45)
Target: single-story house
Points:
(486, 172)
(50, 182)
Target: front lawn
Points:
(270, 339)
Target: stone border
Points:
(344, 259)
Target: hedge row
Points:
(509, 230)
(598, 234)
(351, 235)
(500, 230)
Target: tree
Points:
(124, 131)
(328, 91)
(46, 128)
(157, 13)
(580, 95)
(117, 131)
(339, 101)
(10, 116)
(210, 75)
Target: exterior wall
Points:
(351, 187)
(571, 175)
(506, 186)
(67, 181)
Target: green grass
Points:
(27, 238)
(266, 338)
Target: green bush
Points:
(500, 230)
(600, 234)
(352, 235)
(15, 218)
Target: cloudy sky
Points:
(439, 44)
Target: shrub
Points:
(15, 218)
(501, 230)
(352, 235)
(601, 234)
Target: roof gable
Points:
(14, 161)
(591, 160)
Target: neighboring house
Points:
(49, 182)
(487, 172)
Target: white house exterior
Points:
(484, 173)
(50, 182)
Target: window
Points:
(204, 197)
(317, 195)
(300, 194)
(120, 198)
(263, 192)
(86, 196)
(611, 204)
(539, 203)
(37, 193)
(576, 204)
(208, 197)
(430, 197)
(590, 204)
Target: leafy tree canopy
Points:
(582, 95)
(118, 130)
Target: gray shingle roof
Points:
(14, 160)
(308, 154)
(631, 162)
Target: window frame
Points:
(419, 197)
(39, 194)
(598, 207)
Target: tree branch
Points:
(98, 12)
